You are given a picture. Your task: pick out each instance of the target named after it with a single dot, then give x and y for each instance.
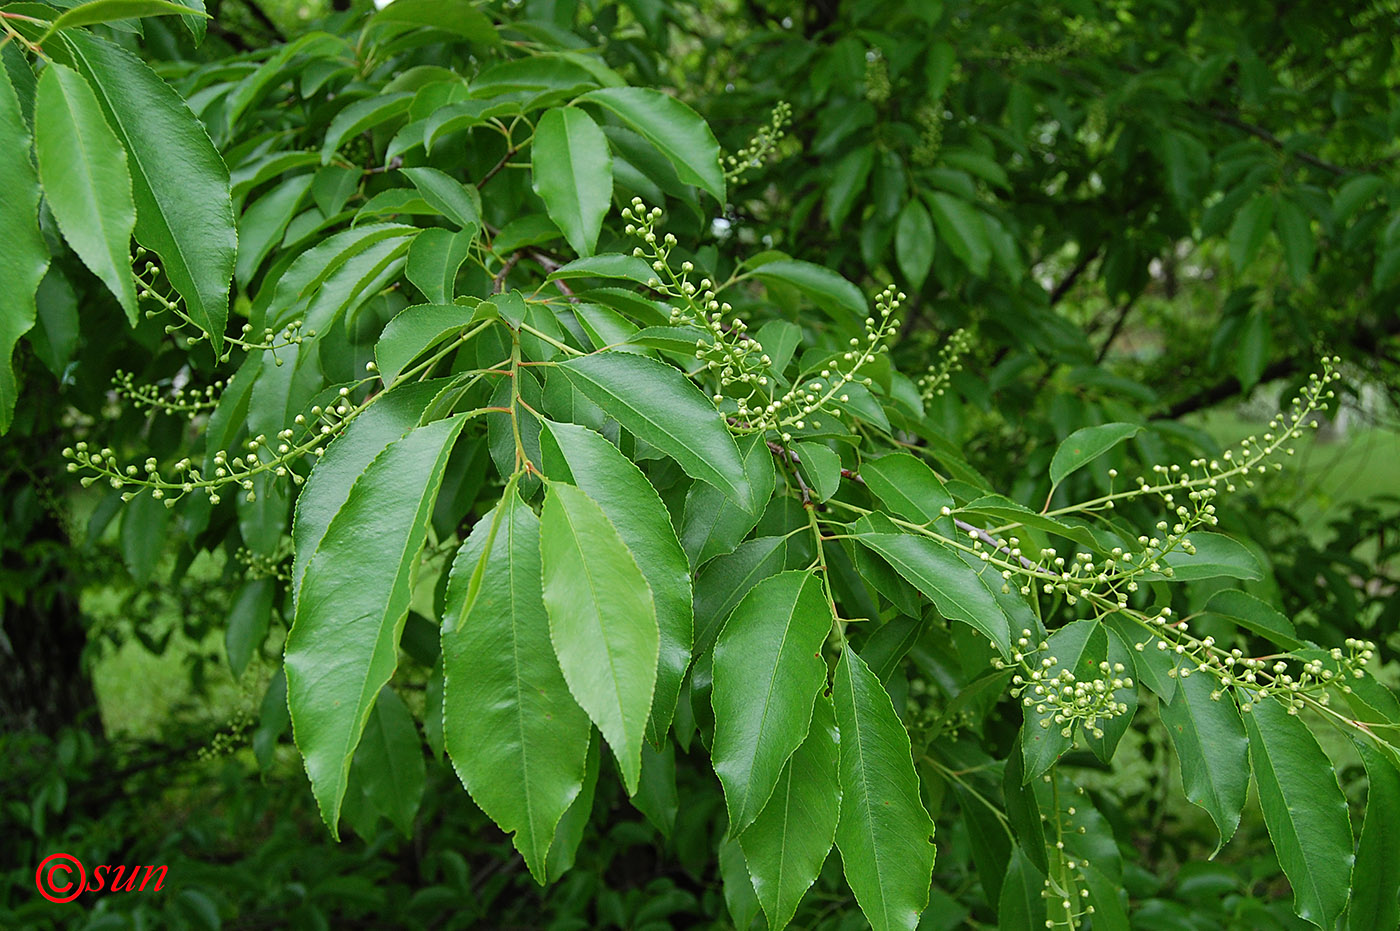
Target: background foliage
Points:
(1150, 222)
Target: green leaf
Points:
(413, 331)
(907, 486)
(713, 525)
(1294, 231)
(25, 256)
(1253, 350)
(144, 520)
(1216, 555)
(725, 580)
(263, 224)
(515, 735)
(788, 842)
(767, 672)
(459, 17)
(178, 180)
(656, 796)
(739, 898)
(913, 243)
(824, 287)
(1255, 616)
(822, 467)
(571, 827)
(247, 623)
(1077, 648)
(661, 406)
(434, 259)
(328, 488)
(1119, 654)
(458, 202)
(1085, 445)
(959, 592)
(677, 132)
(602, 621)
(361, 115)
(1249, 229)
(83, 168)
(848, 179)
(343, 644)
(572, 173)
(1211, 749)
(1021, 907)
(642, 522)
(1375, 882)
(626, 267)
(885, 836)
(960, 226)
(1355, 194)
(389, 761)
(1304, 810)
(106, 11)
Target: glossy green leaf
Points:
(106, 11)
(178, 180)
(434, 260)
(713, 525)
(907, 486)
(83, 168)
(359, 116)
(656, 796)
(389, 762)
(725, 580)
(247, 623)
(821, 466)
(788, 842)
(1249, 229)
(625, 267)
(989, 838)
(1120, 654)
(1085, 445)
(263, 224)
(1077, 648)
(515, 735)
(571, 827)
(343, 644)
(661, 406)
(413, 331)
(453, 199)
(913, 243)
(25, 256)
(1375, 882)
(767, 672)
(828, 290)
(1216, 555)
(641, 520)
(1256, 616)
(602, 621)
(1304, 810)
(960, 226)
(459, 17)
(572, 173)
(1021, 907)
(1211, 749)
(677, 132)
(739, 898)
(885, 836)
(959, 592)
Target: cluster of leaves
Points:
(557, 471)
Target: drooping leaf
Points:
(1294, 231)
(1021, 907)
(656, 796)
(884, 834)
(658, 404)
(959, 592)
(389, 761)
(1211, 749)
(515, 735)
(572, 173)
(178, 180)
(1375, 883)
(788, 842)
(713, 524)
(25, 256)
(725, 580)
(767, 672)
(602, 621)
(1249, 229)
(1304, 810)
(960, 226)
(1085, 445)
(913, 243)
(641, 520)
(84, 171)
(571, 827)
(247, 623)
(739, 898)
(343, 644)
(677, 131)
(263, 224)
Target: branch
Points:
(1259, 132)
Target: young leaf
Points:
(602, 621)
(25, 256)
(677, 131)
(86, 181)
(343, 644)
(1211, 749)
(959, 592)
(1304, 810)
(913, 243)
(906, 486)
(179, 182)
(767, 671)
(1085, 445)
(661, 406)
(641, 520)
(1375, 881)
(515, 735)
(885, 836)
(788, 842)
(389, 761)
(572, 173)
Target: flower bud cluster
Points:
(178, 401)
(763, 144)
(929, 117)
(1058, 696)
(877, 78)
(948, 362)
(267, 566)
